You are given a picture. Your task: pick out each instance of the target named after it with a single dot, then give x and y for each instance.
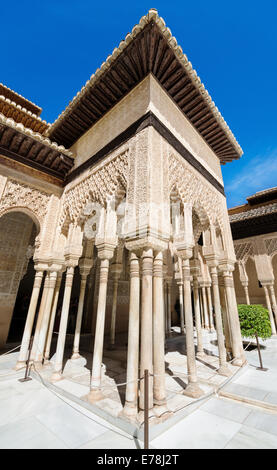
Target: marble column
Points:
(205, 308)
(57, 375)
(116, 271)
(52, 318)
(274, 303)
(210, 308)
(223, 367)
(76, 344)
(95, 392)
(192, 389)
(30, 320)
(131, 399)
(40, 315)
(225, 317)
(200, 350)
(46, 316)
(245, 287)
(181, 301)
(165, 308)
(146, 343)
(159, 393)
(233, 319)
(268, 306)
(169, 288)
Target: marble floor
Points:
(32, 416)
(77, 373)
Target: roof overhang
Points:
(25, 146)
(149, 48)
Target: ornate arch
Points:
(23, 198)
(204, 199)
(102, 181)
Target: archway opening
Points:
(17, 237)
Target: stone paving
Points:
(32, 416)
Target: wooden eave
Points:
(148, 52)
(26, 149)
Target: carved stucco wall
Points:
(17, 233)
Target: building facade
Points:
(255, 239)
(119, 205)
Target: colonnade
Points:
(150, 306)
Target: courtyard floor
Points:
(32, 415)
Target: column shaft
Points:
(63, 324)
(268, 305)
(205, 307)
(45, 319)
(223, 368)
(192, 389)
(30, 320)
(200, 350)
(146, 346)
(274, 303)
(52, 318)
(210, 306)
(113, 317)
(181, 301)
(77, 334)
(131, 404)
(40, 316)
(158, 332)
(99, 331)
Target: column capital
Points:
(105, 250)
(138, 245)
(85, 265)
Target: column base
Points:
(239, 362)
(56, 377)
(75, 355)
(151, 417)
(193, 390)
(200, 355)
(95, 395)
(130, 410)
(20, 365)
(162, 412)
(225, 371)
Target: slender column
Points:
(116, 275)
(29, 321)
(274, 303)
(46, 315)
(40, 315)
(181, 301)
(76, 344)
(205, 308)
(158, 329)
(165, 308)
(201, 304)
(245, 287)
(210, 307)
(192, 389)
(63, 324)
(223, 368)
(131, 401)
(169, 286)
(200, 350)
(234, 324)
(95, 393)
(225, 317)
(268, 305)
(52, 318)
(146, 344)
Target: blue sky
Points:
(50, 49)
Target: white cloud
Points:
(259, 174)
